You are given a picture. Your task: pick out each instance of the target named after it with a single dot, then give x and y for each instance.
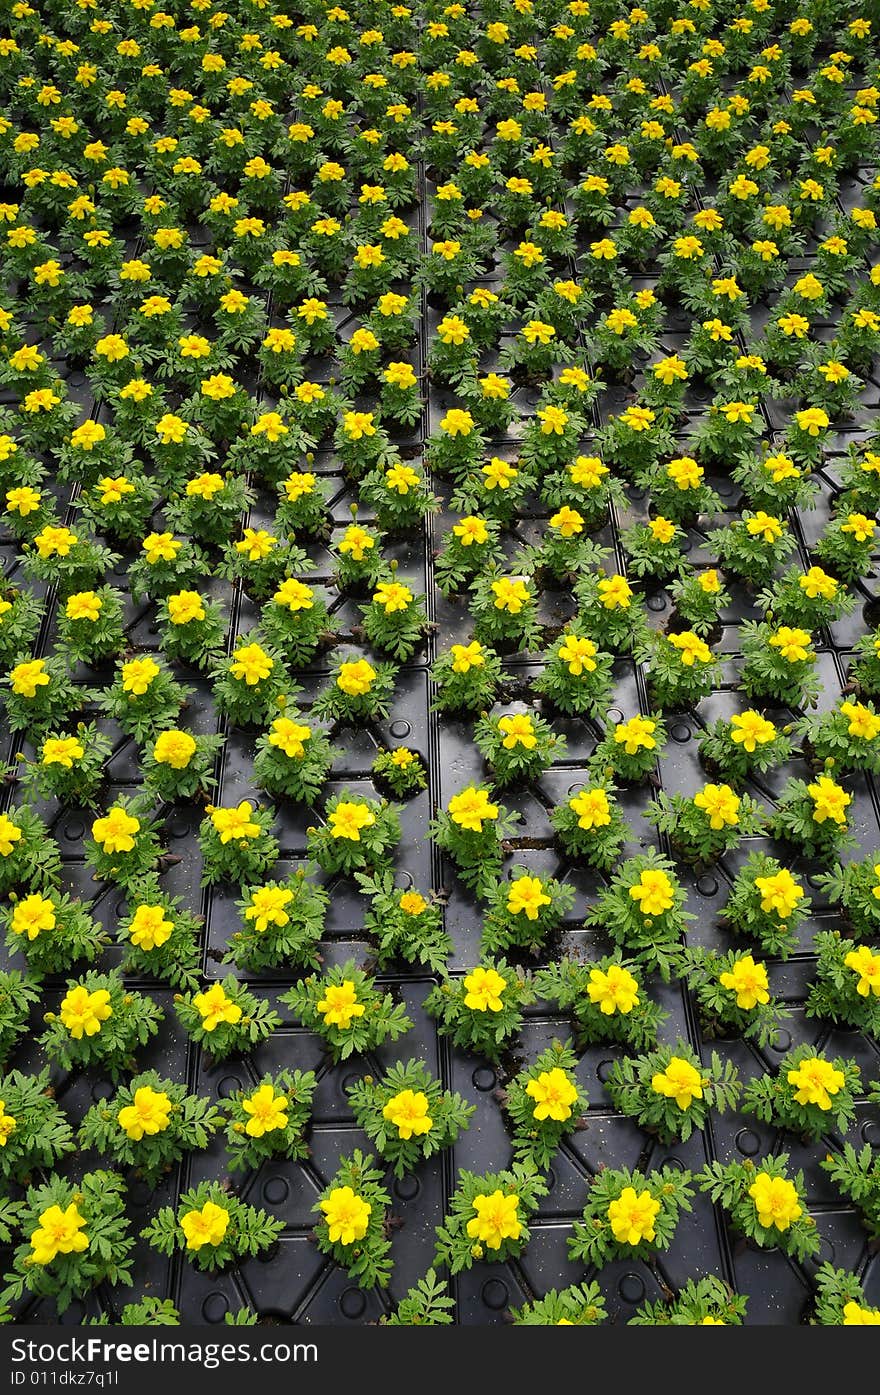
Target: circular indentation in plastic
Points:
(484, 1078)
(657, 601)
(228, 1086)
(631, 1288)
(102, 1090)
(604, 1069)
(815, 881)
(400, 729)
(724, 488)
(781, 1040)
(871, 1133)
(139, 1193)
(551, 1180)
(687, 545)
(348, 1081)
(748, 1143)
(404, 880)
(121, 907)
(707, 886)
(495, 1294)
(179, 827)
(276, 1190)
(407, 1188)
(825, 1254)
(615, 715)
(675, 1163)
(352, 1304)
(74, 830)
(680, 732)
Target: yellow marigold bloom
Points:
(26, 678)
(498, 473)
(83, 605)
(653, 892)
(615, 593)
(235, 822)
(792, 643)
(750, 729)
(866, 964)
(829, 801)
(692, 649)
(267, 907)
(592, 809)
(357, 425)
(471, 809)
(567, 521)
(267, 1111)
(407, 1111)
(467, 656)
(171, 429)
(526, 896)
(471, 530)
(185, 606)
(347, 1216)
(32, 915)
(511, 594)
(457, 422)
(400, 375)
(614, 990)
(780, 893)
(58, 1233)
(554, 1095)
(620, 319)
(174, 748)
(348, 818)
(812, 420)
(355, 677)
(137, 675)
(856, 1316)
(115, 832)
(82, 1012)
(538, 332)
(256, 544)
(205, 1227)
(776, 1201)
(720, 805)
(862, 721)
(55, 542)
(518, 730)
(215, 1007)
(251, 664)
(356, 542)
(392, 596)
(816, 1081)
(816, 582)
(662, 529)
(763, 525)
(578, 654)
(339, 1005)
(860, 527)
(496, 1220)
(680, 1082)
(635, 735)
(148, 1114)
(748, 980)
(61, 750)
(150, 927)
(632, 1217)
(10, 834)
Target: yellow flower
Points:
(764, 526)
(691, 648)
(816, 1082)
(160, 547)
(266, 907)
(235, 822)
(348, 818)
(498, 473)
(793, 644)
(32, 915)
(412, 903)
(471, 530)
(483, 990)
(58, 1233)
(518, 730)
(185, 606)
(267, 1111)
(496, 1219)
(251, 665)
(55, 542)
(653, 892)
(816, 582)
(526, 897)
(471, 809)
(829, 801)
(399, 375)
(748, 980)
(636, 735)
(408, 1112)
(115, 832)
(347, 1215)
(680, 1081)
(467, 656)
(567, 521)
(148, 1114)
(149, 928)
(61, 750)
(23, 500)
(205, 1227)
(776, 1201)
(289, 736)
(511, 594)
(175, 748)
(856, 1316)
(632, 1217)
(553, 1093)
(204, 486)
(8, 1125)
(812, 420)
(662, 529)
(862, 721)
(137, 675)
(859, 527)
(339, 1005)
(214, 1007)
(719, 804)
(355, 677)
(256, 544)
(26, 678)
(578, 654)
(866, 964)
(392, 596)
(592, 809)
(780, 893)
(295, 595)
(82, 1012)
